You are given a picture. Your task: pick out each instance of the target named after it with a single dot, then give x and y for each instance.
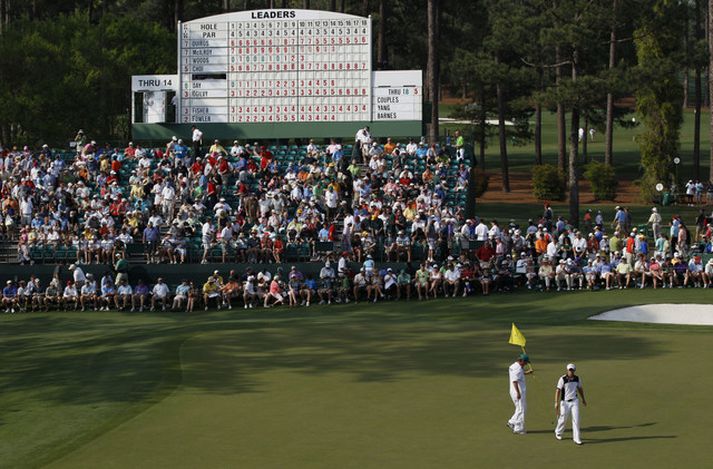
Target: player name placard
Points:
(397, 95)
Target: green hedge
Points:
(548, 182)
(603, 179)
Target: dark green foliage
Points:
(659, 94)
(480, 180)
(59, 75)
(548, 182)
(603, 179)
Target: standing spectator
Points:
(197, 139)
(655, 222)
(150, 240)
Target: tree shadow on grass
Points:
(88, 359)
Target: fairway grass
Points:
(386, 385)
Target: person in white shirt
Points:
(390, 280)
(26, 209)
(708, 274)
(125, 295)
(237, 150)
(168, 199)
(155, 220)
(518, 393)
(579, 244)
(333, 147)
(655, 222)
(481, 231)
(226, 240)
(363, 141)
(452, 277)
(159, 293)
(197, 139)
(567, 402)
(312, 149)
(89, 293)
(207, 232)
(70, 296)
(494, 231)
(145, 163)
(552, 249)
(331, 200)
(561, 274)
(78, 275)
(411, 148)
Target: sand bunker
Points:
(690, 314)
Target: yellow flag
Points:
(516, 337)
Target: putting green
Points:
(390, 385)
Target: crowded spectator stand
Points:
(367, 221)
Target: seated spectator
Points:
(9, 297)
(274, 296)
(124, 296)
(159, 294)
(70, 296)
(141, 295)
(181, 295)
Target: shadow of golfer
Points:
(604, 428)
(599, 428)
(589, 441)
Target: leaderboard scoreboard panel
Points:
(275, 66)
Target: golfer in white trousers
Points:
(518, 393)
(567, 402)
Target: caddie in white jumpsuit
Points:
(567, 402)
(518, 393)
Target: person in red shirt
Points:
(485, 252)
(275, 293)
(630, 248)
(117, 207)
(277, 248)
(130, 151)
(223, 169)
(197, 167)
(116, 165)
(265, 158)
(112, 178)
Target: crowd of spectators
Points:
(248, 203)
(371, 203)
(545, 255)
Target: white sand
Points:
(690, 314)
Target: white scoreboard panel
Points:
(397, 95)
(272, 66)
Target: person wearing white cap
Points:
(518, 393)
(655, 222)
(569, 389)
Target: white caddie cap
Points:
(572, 367)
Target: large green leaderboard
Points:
(277, 74)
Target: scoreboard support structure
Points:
(285, 74)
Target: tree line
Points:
(66, 65)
